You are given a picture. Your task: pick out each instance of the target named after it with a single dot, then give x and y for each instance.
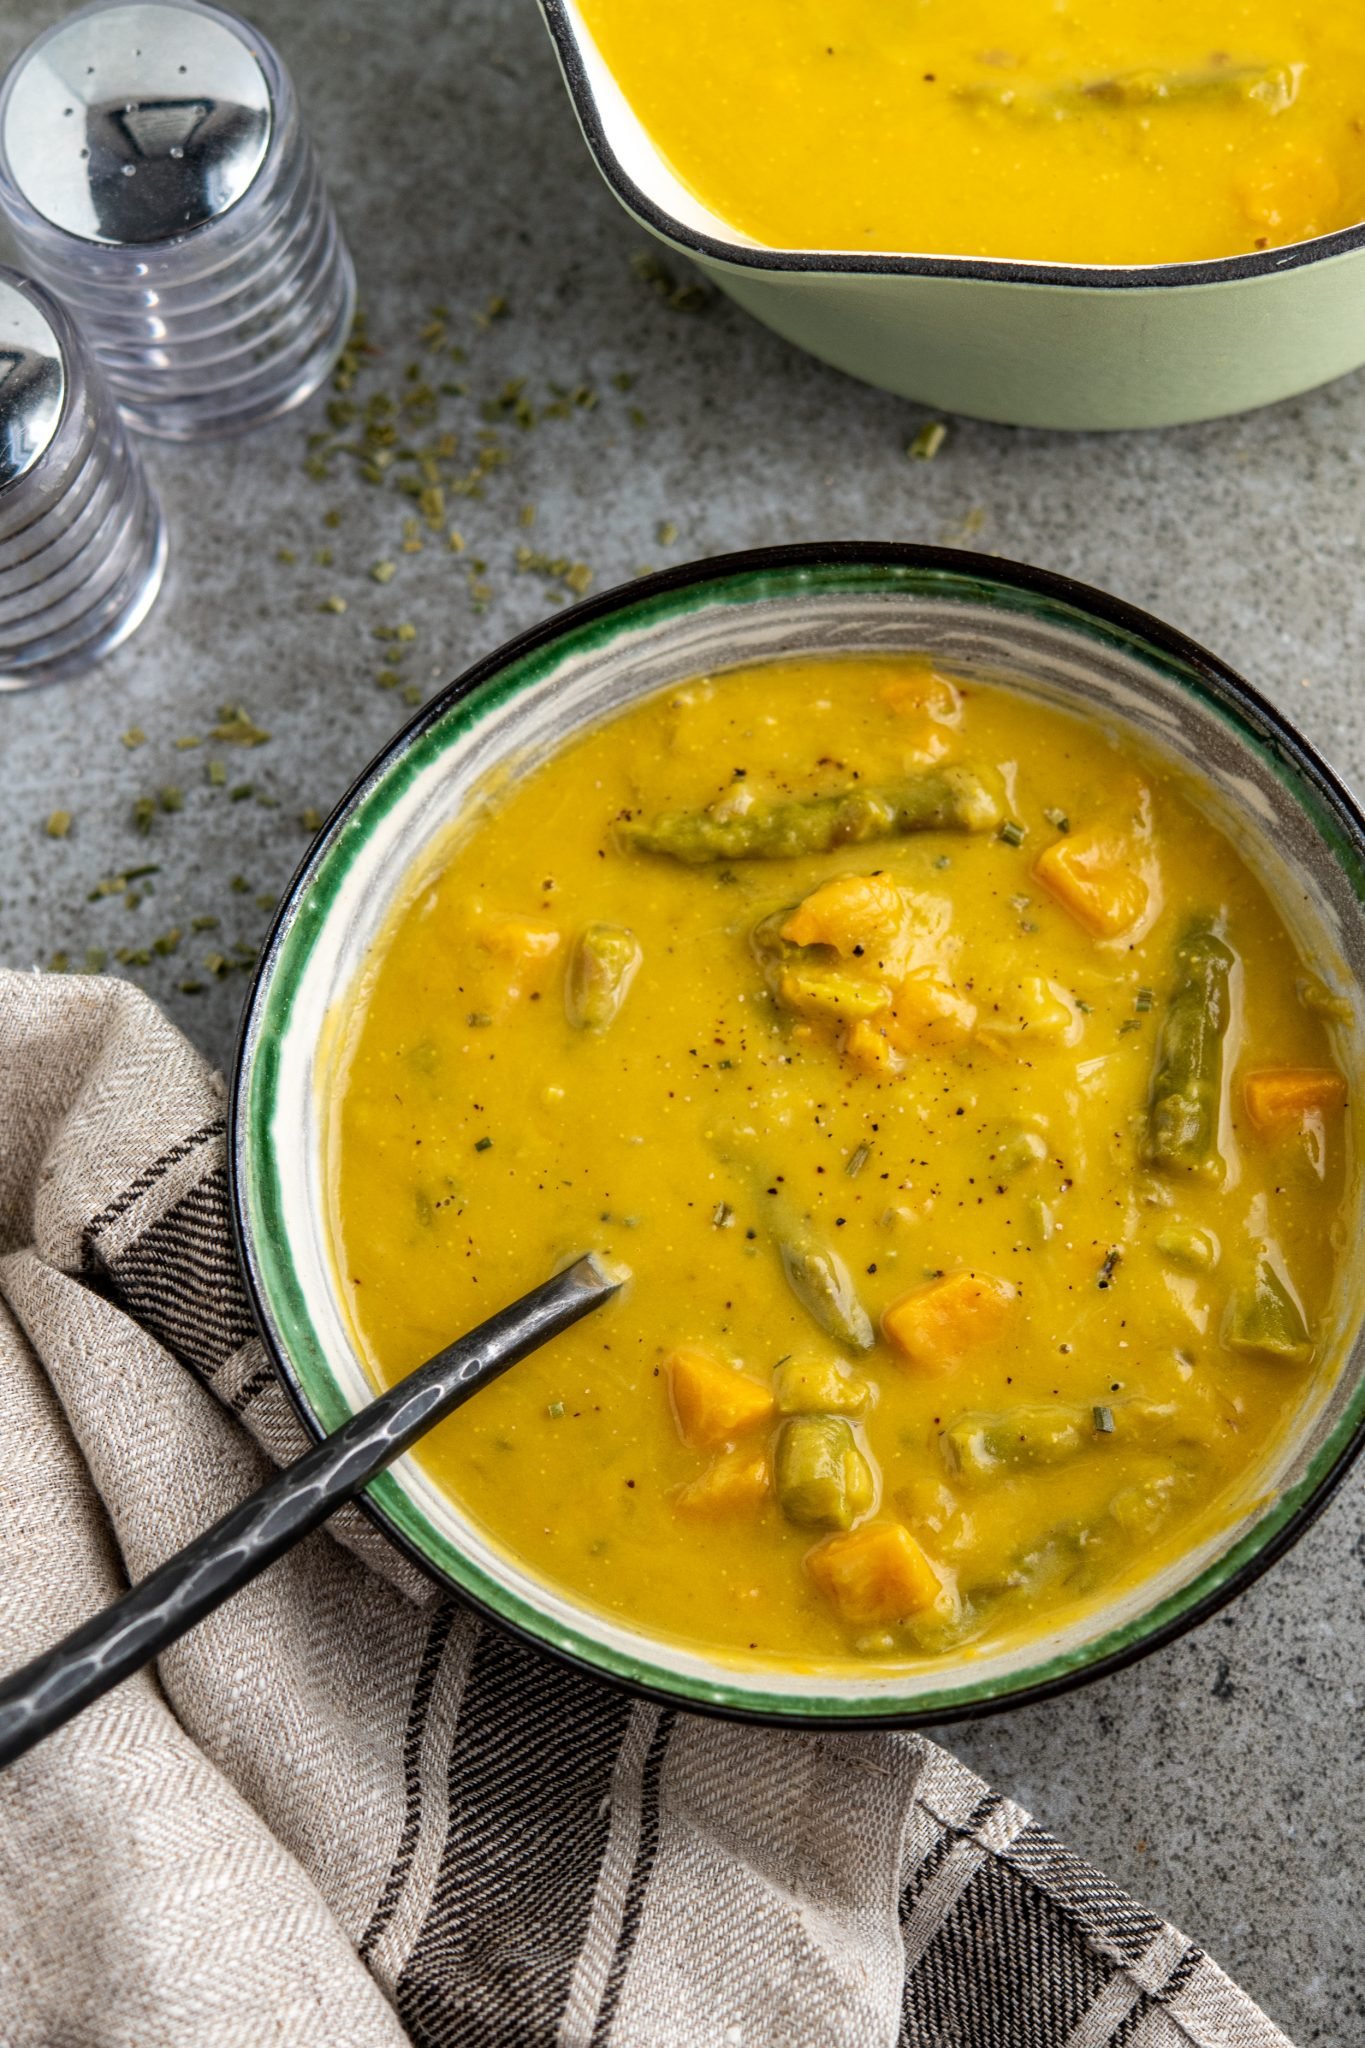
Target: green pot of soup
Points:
(1106, 218)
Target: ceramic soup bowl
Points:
(1066, 644)
(1032, 344)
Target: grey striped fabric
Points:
(342, 1811)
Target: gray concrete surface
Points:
(1222, 1780)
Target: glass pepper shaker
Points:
(82, 545)
(156, 176)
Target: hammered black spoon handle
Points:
(180, 1592)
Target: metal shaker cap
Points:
(32, 379)
(132, 124)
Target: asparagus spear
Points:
(773, 953)
(604, 963)
(1181, 1244)
(824, 1287)
(1270, 86)
(815, 1273)
(1264, 1317)
(1187, 1083)
(945, 800)
(1017, 1439)
(980, 1446)
(823, 1480)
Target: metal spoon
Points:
(112, 1645)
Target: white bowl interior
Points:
(1056, 660)
(635, 149)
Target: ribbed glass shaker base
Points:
(195, 341)
(81, 560)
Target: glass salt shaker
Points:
(82, 545)
(156, 175)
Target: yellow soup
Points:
(1094, 131)
(961, 1104)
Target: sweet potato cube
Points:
(713, 1402)
(1279, 1098)
(875, 1576)
(939, 1325)
(856, 914)
(737, 1483)
(1094, 874)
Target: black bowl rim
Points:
(1223, 681)
(852, 263)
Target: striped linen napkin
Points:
(343, 1811)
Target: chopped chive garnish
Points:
(1144, 999)
(483, 1144)
(237, 728)
(857, 1160)
(1058, 820)
(1012, 832)
(1104, 1420)
(1109, 1266)
(928, 441)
